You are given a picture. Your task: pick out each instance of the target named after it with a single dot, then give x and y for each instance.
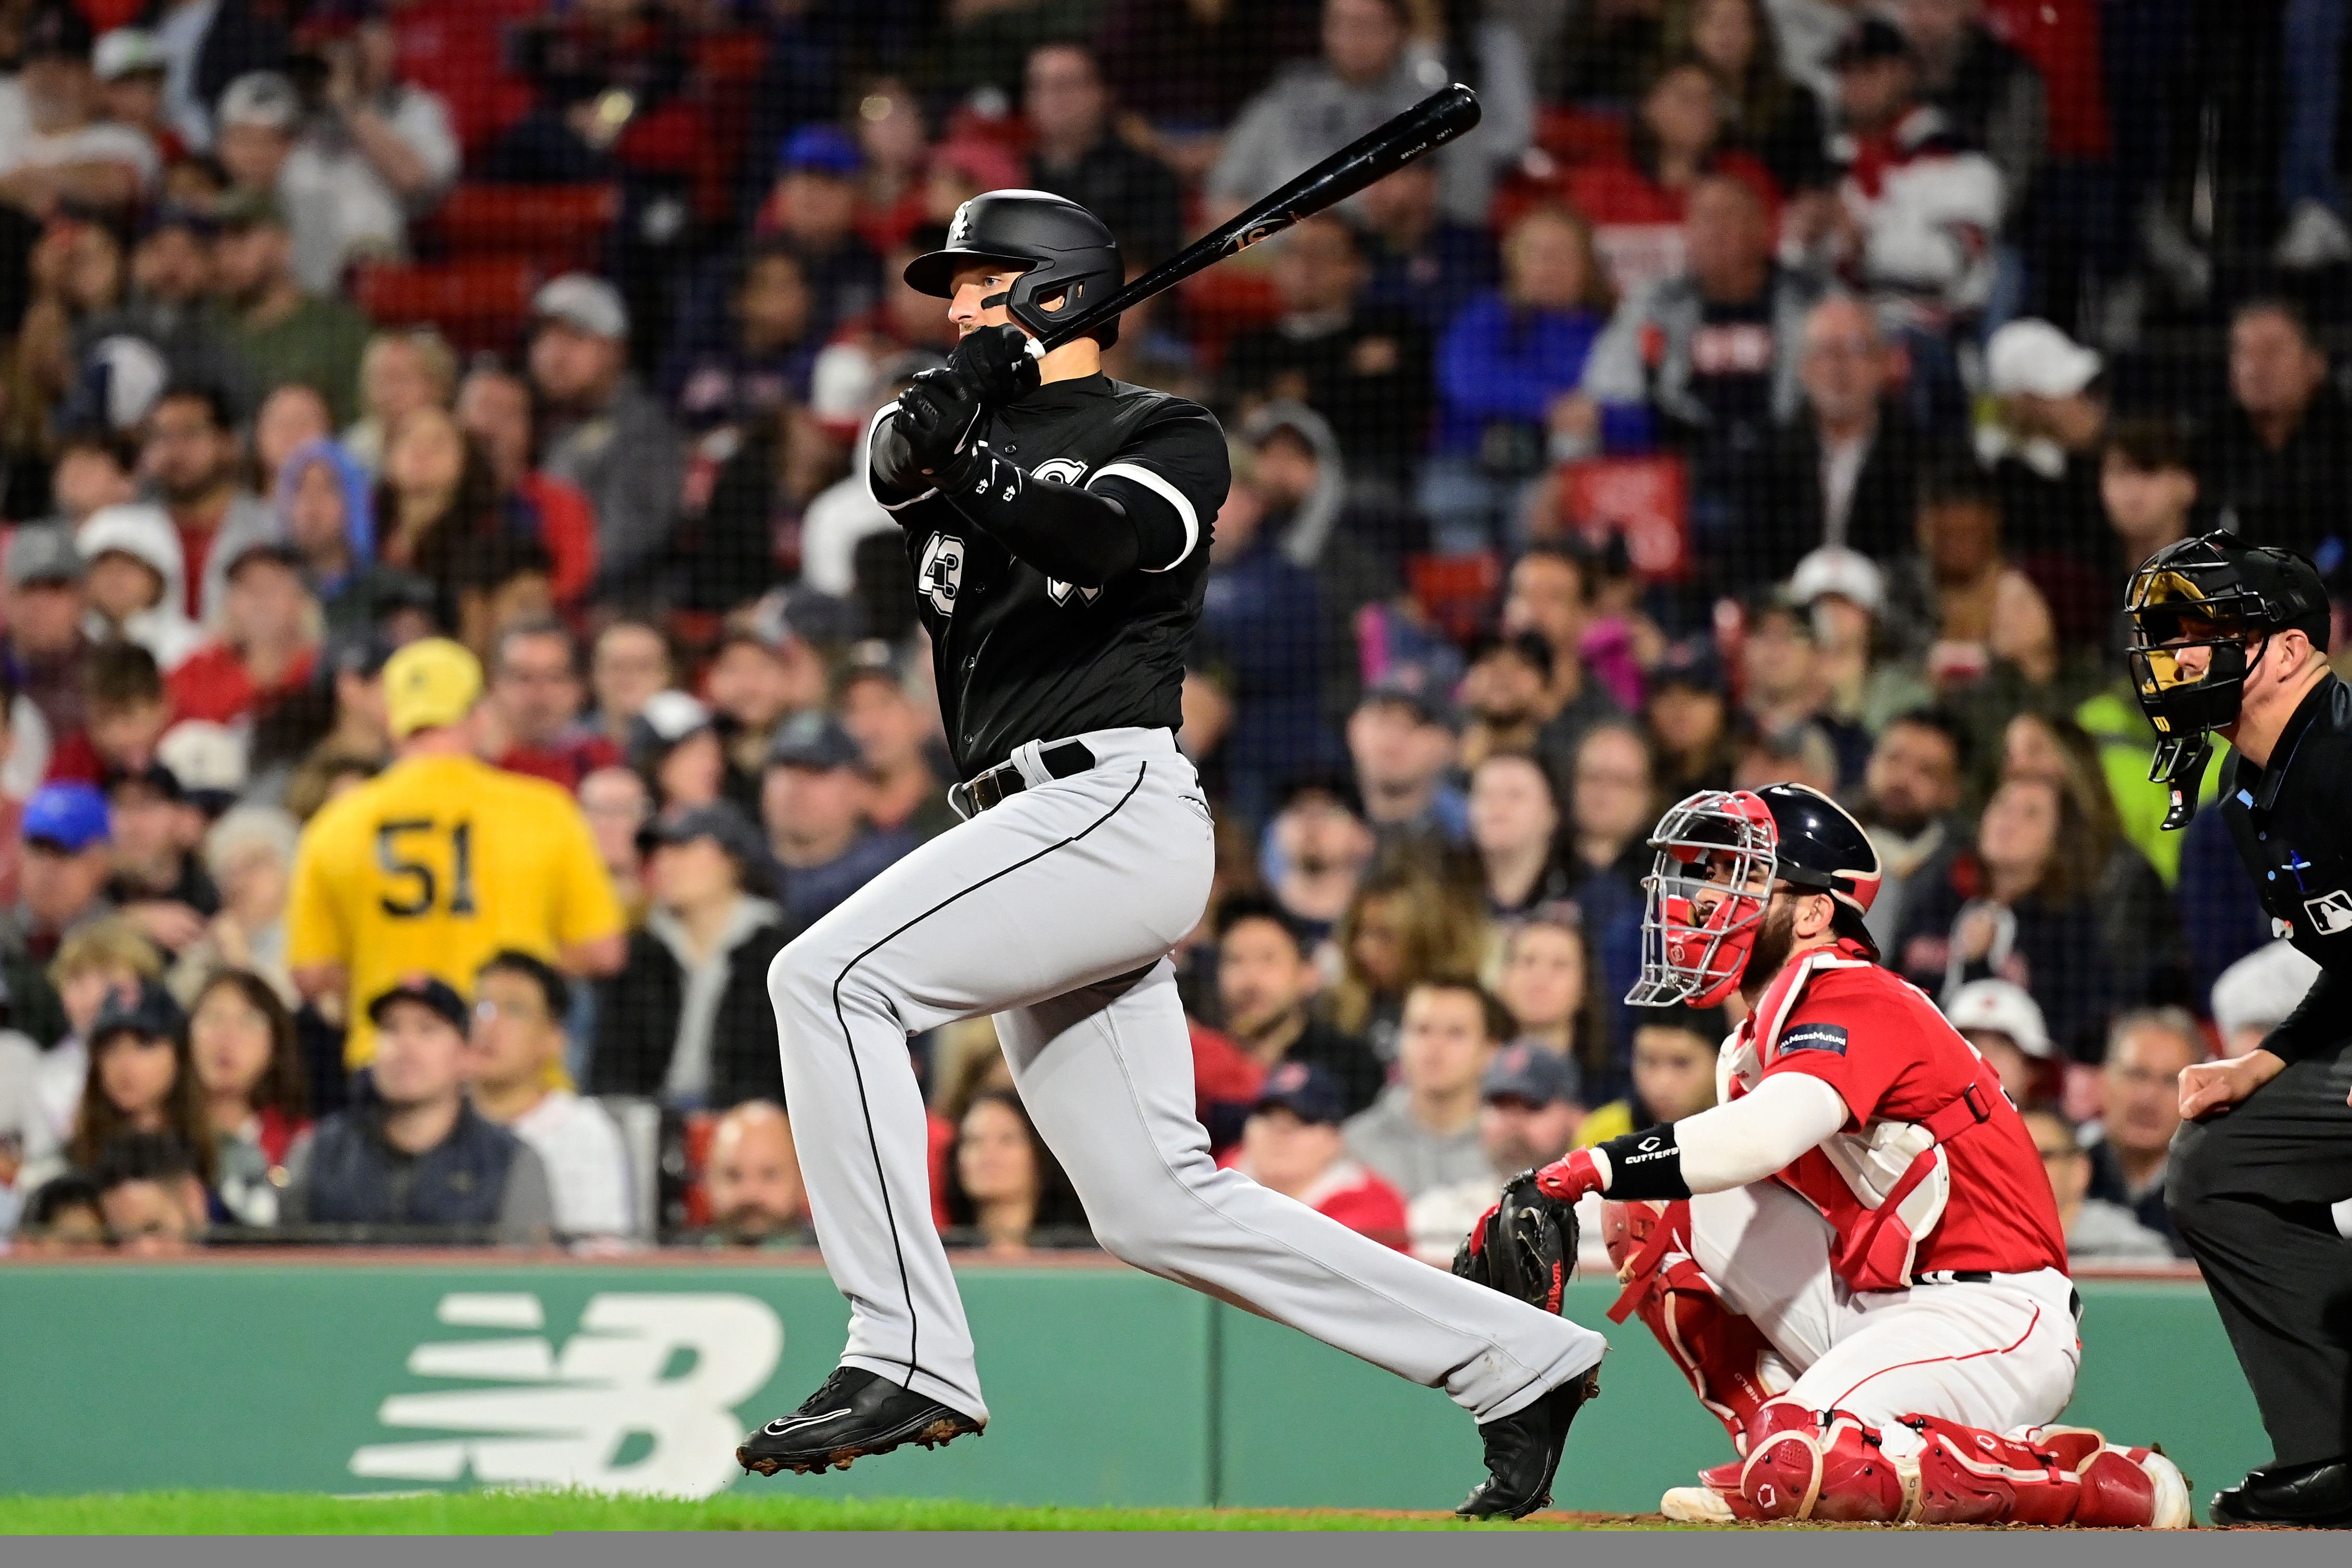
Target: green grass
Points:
(549, 1512)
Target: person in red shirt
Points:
(1636, 204)
(1857, 1262)
(267, 647)
(1292, 1144)
(537, 695)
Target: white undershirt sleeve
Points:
(1757, 1134)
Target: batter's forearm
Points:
(1077, 535)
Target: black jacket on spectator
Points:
(2294, 496)
(1793, 520)
(351, 1176)
(1348, 1061)
(637, 1015)
(2059, 954)
(1369, 377)
(2107, 1183)
(1135, 194)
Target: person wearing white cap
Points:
(130, 64)
(2254, 995)
(2004, 1023)
(54, 146)
(1844, 593)
(2043, 443)
(603, 434)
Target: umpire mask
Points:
(2202, 613)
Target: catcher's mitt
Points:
(1525, 1246)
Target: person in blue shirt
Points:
(1508, 373)
(1422, 261)
(1262, 636)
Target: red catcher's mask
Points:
(1717, 856)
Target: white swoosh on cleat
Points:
(778, 1428)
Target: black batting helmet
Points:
(1062, 248)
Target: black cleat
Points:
(853, 1414)
(1523, 1452)
(2316, 1495)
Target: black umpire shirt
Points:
(2293, 824)
(1021, 656)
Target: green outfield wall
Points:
(1105, 1386)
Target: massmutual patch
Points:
(1826, 1036)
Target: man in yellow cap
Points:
(442, 860)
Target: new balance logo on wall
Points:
(641, 1399)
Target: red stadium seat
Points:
(1581, 136)
(478, 304)
(1457, 591)
(558, 227)
(1227, 300)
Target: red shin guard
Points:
(1720, 1352)
(1802, 1464)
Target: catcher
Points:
(1855, 1256)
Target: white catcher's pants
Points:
(1056, 912)
(1998, 1355)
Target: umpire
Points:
(2231, 639)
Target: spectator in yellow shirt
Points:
(442, 860)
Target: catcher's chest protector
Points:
(1884, 1187)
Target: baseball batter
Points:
(1059, 526)
(1855, 1257)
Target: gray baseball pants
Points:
(1056, 912)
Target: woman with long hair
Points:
(1763, 112)
(1401, 927)
(140, 1080)
(440, 494)
(1005, 1191)
(1515, 825)
(1548, 984)
(2020, 904)
(241, 1041)
(2137, 918)
(1674, 140)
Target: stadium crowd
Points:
(450, 648)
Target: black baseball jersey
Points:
(2294, 833)
(1021, 656)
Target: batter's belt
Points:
(977, 794)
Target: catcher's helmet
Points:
(1063, 248)
(1720, 853)
(2214, 593)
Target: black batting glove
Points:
(939, 416)
(996, 364)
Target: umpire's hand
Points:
(2210, 1086)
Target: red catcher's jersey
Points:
(1879, 1041)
